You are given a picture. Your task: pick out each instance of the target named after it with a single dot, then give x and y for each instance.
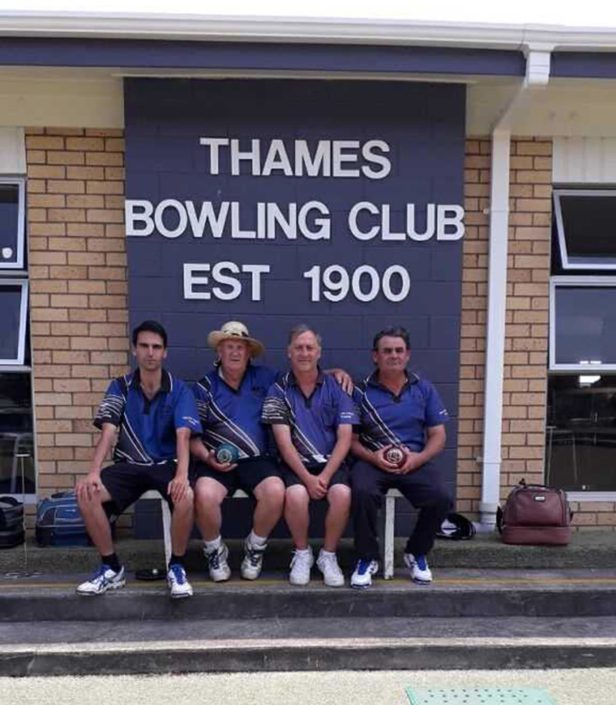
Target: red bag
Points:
(535, 515)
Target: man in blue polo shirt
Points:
(401, 429)
(229, 401)
(312, 420)
(154, 416)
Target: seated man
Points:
(229, 401)
(312, 420)
(401, 429)
(154, 415)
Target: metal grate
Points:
(478, 696)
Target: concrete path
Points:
(570, 687)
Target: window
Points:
(581, 432)
(17, 466)
(12, 218)
(13, 320)
(581, 414)
(583, 324)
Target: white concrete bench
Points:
(389, 516)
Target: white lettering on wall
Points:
(228, 287)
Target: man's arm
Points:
(343, 378)
(339, 453)
(178, 487)
(91, 483)
(436, 437)
(288, 452)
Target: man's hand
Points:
(324, 481)
(215, 465)
(344, 379)
(412, 462)
(178, 489)
(315, 488)
(87, 487)
(382, 463)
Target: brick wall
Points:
(78, 303)
(526, 341)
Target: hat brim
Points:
(216, 337)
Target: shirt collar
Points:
(320, 378)
(411, 378)
(165, 381)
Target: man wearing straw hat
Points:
(229, 399)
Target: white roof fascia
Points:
(303, 30)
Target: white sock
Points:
(303, 550)
(327, 553)
(214, 545)
(256, 541)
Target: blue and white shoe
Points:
(177, 582)
(362, 575)
(103, 579)
(419, 569)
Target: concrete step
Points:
(298, 645)
(588, 549)
(454, 594)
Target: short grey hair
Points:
(302, 328)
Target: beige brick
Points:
(86, 287)
(105, 159)
(85, 172)
(105, 216)
(66, 187)
(66, 158)
(67, 215)
(86, 144)
(66, 245)
(44, 142)
(69, 301)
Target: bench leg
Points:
(166, 514)
(388, 549)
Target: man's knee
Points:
(208, 494)
(271, 491)
(296, 497)
(185, 504)
(339, 496)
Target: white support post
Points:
(166, 515)
(388, 538)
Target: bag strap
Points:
(499, 520)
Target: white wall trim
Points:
(12, 151)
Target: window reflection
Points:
(16, 440)
(581, 432)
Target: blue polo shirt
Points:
(233, 416)
(147, 427)
(390, 419)
(313, 420)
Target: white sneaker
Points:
(327, 563)
(419, 569)
(217, 563)
(301, 563)
(362, 575)
(253, 561)
(104, 579)
(177, 582)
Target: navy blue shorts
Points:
(246, 476)
(340, 477)
(126, 482)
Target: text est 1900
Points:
(333, 283)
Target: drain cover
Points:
(478, 696)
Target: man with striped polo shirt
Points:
(154, 416)
(312, 419)
(401, 429)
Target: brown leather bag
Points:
(535, 515)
